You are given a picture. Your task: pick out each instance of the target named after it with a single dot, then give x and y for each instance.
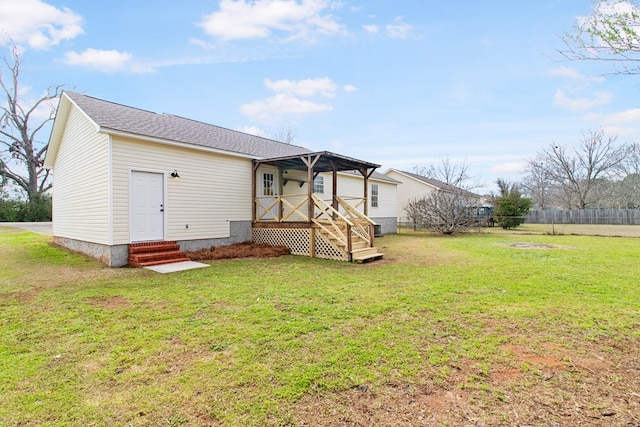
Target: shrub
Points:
(38, 209)
(510, 207)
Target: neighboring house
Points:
(124, 175)
(414, 186)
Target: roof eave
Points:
(124, 134)
(342, 163)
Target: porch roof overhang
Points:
(322, 161)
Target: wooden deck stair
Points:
(361, 252)
(147, 254)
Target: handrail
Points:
(324, 207)
(329, 223)
(353, 211)
(363, 223)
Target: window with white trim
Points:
(374, 195)
(318, 184)
(268, 182)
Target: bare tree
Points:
(445, 212)
(456, 175)
(577, 172)
(609, 34)
(537, 186)
(631, 163)
(21, 153)
(286, 135)
(449, 208)
(628, 189)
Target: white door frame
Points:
(164, 201)
(275, 189)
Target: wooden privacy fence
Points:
(585, 216)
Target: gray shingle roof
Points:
(121, 118)
(439, 184)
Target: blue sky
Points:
(402, 83)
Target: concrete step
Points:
(157, 262)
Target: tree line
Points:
(596, 173)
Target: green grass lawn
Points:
(499, 329)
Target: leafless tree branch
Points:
(22, 158)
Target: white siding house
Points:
(113, 185)
(412, 187)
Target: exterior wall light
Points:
(175, 174)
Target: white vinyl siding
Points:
(410, 189)
(386, 201)
(81, 182)
(351, 185)
(295, 191)
(212, 190)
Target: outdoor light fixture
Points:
(174, 174)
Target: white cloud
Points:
(508, 168)
(399, 29)
(246, 19)
(628, 116)
(200, 43)
(570, 73)
(281, 105)
(373, 29)
(254, 130)
(306, 88)
(623, 123)
(582, 104)
(38, 24)
(107, 61)
(294, 98)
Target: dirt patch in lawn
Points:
(110, 302)
(536, 383)
(238, 250)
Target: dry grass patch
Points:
(592, 384)
(238, 250)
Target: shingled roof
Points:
(113, 117)
(439, 184)
(116, 118)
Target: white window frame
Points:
(318, 184)
(374, 195)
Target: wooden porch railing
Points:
(332, 223)
(362, 224)
(342, 226)
(280, 208)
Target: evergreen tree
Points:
(510, 206)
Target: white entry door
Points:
(269, 191)
(147, 206)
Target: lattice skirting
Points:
(298, 240)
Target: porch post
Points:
(310, 162)
(254, 191)
(334, 190)
(365, 175)
(310, 209)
